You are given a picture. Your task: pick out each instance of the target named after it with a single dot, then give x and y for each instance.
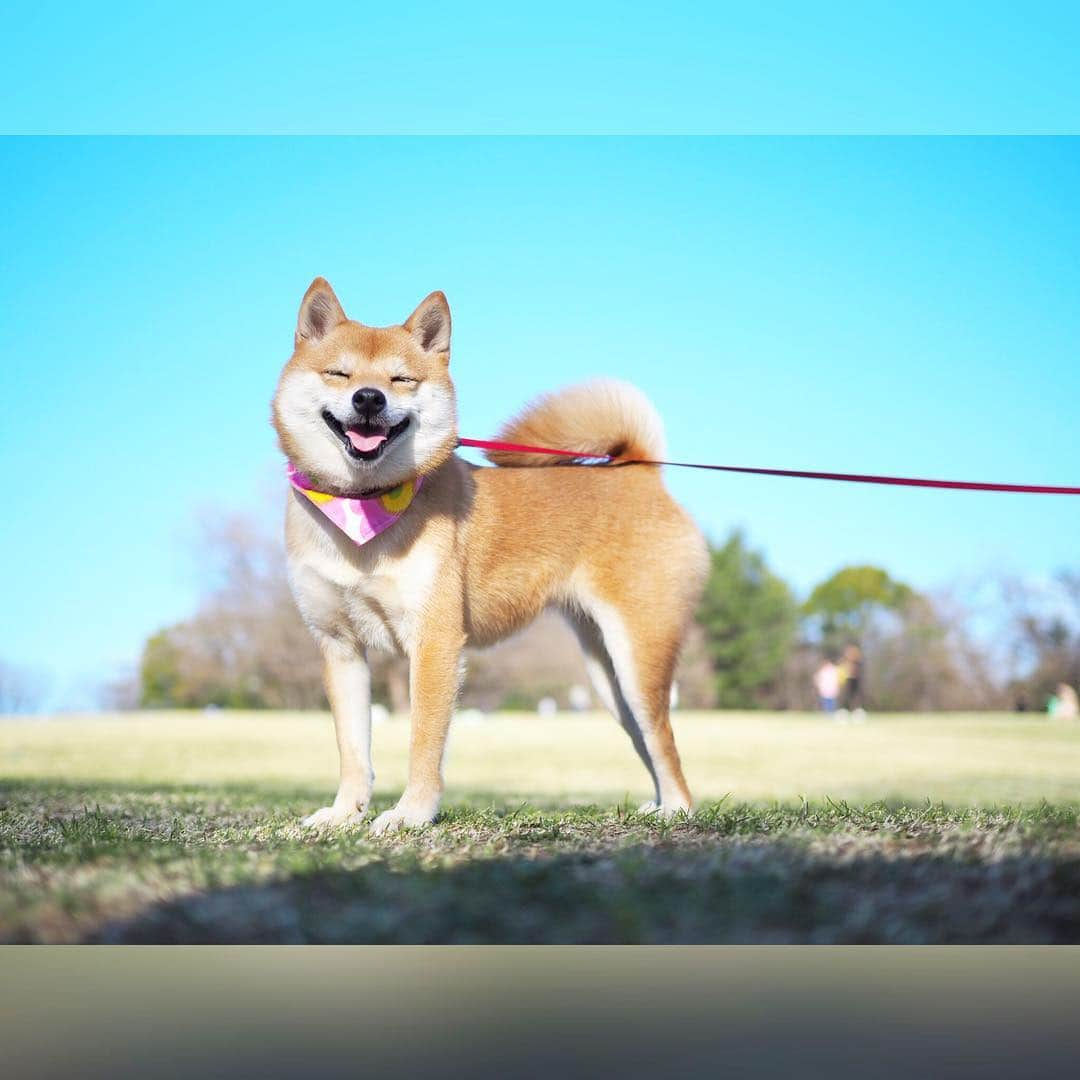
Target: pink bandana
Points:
(359, 519)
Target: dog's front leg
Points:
(348, 687)
(434, 675)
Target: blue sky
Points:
(607, 66)
(896, 306)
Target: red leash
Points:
(851, 478)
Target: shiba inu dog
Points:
(395, 543)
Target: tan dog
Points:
(479, 552)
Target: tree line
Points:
(755, 643)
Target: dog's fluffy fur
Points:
(481, 551)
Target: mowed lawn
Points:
(184, 827)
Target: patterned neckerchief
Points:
(359, 519)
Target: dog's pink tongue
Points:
(364, 442)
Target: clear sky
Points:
(606, 66)
(896, 306)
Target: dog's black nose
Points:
(368, 401)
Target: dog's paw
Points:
(402, 817)
(666, 811)
(333, 817)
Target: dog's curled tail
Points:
(600, 417)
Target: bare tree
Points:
(1044, 642)
(923, 660)
(246, 645)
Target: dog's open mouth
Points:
(365, 441)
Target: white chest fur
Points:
(371, 595)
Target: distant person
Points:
(1068, 707)
(851, 688)
(827, 684)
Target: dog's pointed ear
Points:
(430, 323)
(320, 312)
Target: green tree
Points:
(159, 673)
(844, 604)
(749, 617)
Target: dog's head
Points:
(360, 408)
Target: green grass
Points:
(183, 828)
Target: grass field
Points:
(183, 828)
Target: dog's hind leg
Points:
(637, 693)
(601, 674)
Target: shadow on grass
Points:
(233, 868)
(767, 893)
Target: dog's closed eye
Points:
(405, 380)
